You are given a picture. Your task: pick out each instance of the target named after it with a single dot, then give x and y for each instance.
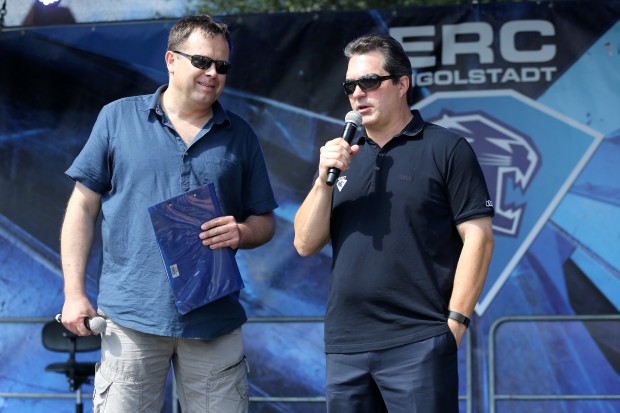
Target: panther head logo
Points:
(508, 159)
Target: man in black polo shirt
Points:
(409, 219)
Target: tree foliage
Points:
(227, 7)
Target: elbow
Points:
(271, 231)
(268, 228)
(306, 247)
(488, 246)
(301, 247)
(486, 236)
(490, 242)
(309, 238)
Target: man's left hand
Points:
(458, 330)
(220, 232)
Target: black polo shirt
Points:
(394, 238)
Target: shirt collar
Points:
(413, 128)
(415, 125)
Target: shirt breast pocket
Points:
(222, 172)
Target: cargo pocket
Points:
(115, 392)
(100, 390)
(228, 389)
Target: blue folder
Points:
(198, 275)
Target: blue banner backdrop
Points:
(534, 86)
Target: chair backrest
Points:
(57, 338)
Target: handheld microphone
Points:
(96, 324)
(352, 121)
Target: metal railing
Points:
(36, 320)
(276, 399)
(253, 399)
(494, 397)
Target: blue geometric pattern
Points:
(550, 154)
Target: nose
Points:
(210, 69)
(357, 91)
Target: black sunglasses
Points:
(204, 62)
(366, 83)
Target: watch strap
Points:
(459, 317)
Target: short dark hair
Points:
(395, 62)
(183, 28)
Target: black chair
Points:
(57, 338)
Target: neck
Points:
(383, 134)
(184, 109)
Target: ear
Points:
(170, 59)
(403, 85)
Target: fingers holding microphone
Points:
(336, 154)
(88, 326)
(76, 315)
(352, 121)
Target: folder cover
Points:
(198, 275)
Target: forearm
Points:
(256, 230)
(471, 271)
(76, 239)
(312, 221)
(473, 265)
(75, 244)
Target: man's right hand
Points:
(75, 312)
(336, 153)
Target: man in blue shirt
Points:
(144, 150)
(409, 220)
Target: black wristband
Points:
(459, 317)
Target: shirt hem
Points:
(382, 345)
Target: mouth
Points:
(363, 108)
(207, 85)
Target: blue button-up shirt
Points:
(134, 158)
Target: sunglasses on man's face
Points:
(204, 62)
(366, 83)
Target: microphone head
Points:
(354, 117)
(97, 325)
